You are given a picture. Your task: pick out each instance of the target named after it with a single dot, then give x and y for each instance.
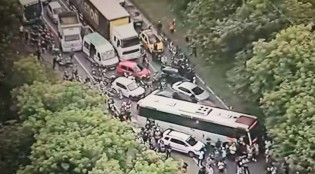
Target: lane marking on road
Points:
(75, 57)
(198, 77)
(150, 64)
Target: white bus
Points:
(202, 122)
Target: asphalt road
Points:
(84, 70)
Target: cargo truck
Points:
(113, 22)
(69, 31)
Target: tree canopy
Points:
(63, 128)
(271, 46)
(281, 73)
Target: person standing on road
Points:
(26, 36)
(145, 60)
(172, 26)
(21, 30)
(71, 55)
(159, 27)
(202, 170)
(38, 54)
(54, 62)
(201, 158)
(168, 150)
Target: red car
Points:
(132, 67)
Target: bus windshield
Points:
(255, 131)
(108, 55)
(69, 38)
(130, 42)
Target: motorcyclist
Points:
(163, 61)
(221, 165)
(157, 134)
(65, 75)
(75, 71)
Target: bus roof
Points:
(197, 111)
(26, 2)
(110, 9)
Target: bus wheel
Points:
(191, 154)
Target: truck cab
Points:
(99, 50)
(126, 41)
(69, 30)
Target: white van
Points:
(99, 50)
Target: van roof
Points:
(110, 9)
(26, 2)
(126, 31)
(99, 41)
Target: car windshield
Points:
(132, 86)
(57, 10)
(130, 42)
(191, 141)
(197, 90)
(73, 37)
(153, 38)
(108, 55)
(138, 68)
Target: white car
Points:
(53, 9)
(191, 89)
(182, 142)
(129, 88)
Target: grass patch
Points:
(213, 74)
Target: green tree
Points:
(294, 137)
(74, 141)
(222, 28)
(289, 55)
(44, 97)
(27, 70)
(15, 146)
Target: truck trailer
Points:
(112, 21)
(69, 31)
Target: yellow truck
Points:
(113, 22)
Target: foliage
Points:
(27, 70)
(74, 141)
(179, 6)
(8, 11)
(41, 98)
(289, 55)
(220, 33)
(294, 136)
(280, 73)
(14, 147)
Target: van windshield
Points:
(108, 55)
(130, 42)
(74, 37)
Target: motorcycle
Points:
(221, 166)
(64, 61)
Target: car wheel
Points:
(191, 154)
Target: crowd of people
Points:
(209, 161)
